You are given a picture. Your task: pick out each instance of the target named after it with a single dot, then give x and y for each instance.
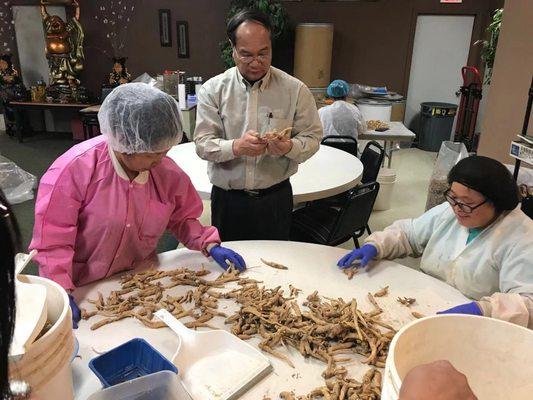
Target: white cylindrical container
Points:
(312, 54)
(197, 88)
(375, 109)
(182, 96)
(46, 364)
(496, 356)
(386, 179)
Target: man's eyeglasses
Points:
(261, 58)
(463, 207)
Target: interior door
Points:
(441, 47)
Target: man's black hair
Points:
(245, 16)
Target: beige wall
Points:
(512, 73)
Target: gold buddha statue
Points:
(64, 44)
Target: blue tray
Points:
(128, 361)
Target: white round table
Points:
(311, 267)
(329, 172)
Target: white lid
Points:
(373, 102)
(387, 175)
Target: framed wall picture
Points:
(165, 28)
(183, 39)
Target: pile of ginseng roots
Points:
(329, 330)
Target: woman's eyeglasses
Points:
(463, 207)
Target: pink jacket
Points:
(92, 222)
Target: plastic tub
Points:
(496, 356)
(375, 109)
(46, 364)
(128, 361)
(386, 179)
(163, 385)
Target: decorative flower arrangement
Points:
(7, 28)
(114, 19)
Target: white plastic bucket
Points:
(496, 356)
(375, 109)
(386, 179)
(46, 364)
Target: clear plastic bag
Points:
(145, 78)
(450, 153)
(17, 184)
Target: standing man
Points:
(252, 195)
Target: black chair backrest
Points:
(345, 143)
(355, 213)
(89, 118)
(371, 157)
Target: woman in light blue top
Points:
(479, 241)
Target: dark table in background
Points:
(21, 107)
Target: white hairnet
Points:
(342, 119)
(137, 118)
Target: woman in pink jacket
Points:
(103, 205)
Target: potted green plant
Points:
(488, 50)
(278, 18)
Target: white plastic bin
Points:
(386, 179)
(163, 385)
(496, 356)
(46, 364)
(375, 109)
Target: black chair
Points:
(184, 139)
(345, 143)
(331, 225)
(371, 158)
(91, 126)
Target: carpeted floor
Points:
(413, 167)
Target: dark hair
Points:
(120, 60)
(488, 177)
(7, 57)
(244, 16)
(9, 246)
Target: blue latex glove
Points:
(221, 254)
(76, 313)
(471, 308)
(365, 254)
